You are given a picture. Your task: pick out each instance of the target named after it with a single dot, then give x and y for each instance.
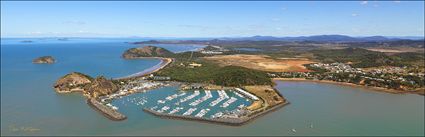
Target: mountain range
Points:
(323, 38)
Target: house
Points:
(211, 52)
(193, 65)
(161, 78)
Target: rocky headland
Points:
(147, 51)
(91, 87)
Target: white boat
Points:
(202, 112)
(153, 108)
(224, 93)
(175, 110)
(217, 115)
(237, 94)
(190, 97)
(293, 130)
(161, 101)
(189, 111)
(207, 96)
(228, 102)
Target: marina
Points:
(195, 103)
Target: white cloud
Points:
(283, 8)
(363, 2)
(397, 1)
(354, 14)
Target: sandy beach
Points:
(164, 62)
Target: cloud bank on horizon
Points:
(210, 19)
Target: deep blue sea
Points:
(29, 106)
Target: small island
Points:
(92, 88)
(44, 60)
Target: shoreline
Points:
(163, 63)
(376, 89)
(114, 114)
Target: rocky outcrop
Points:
(44, 60)
(76, 81)
(147, 51)
(101, 86)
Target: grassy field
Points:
(212, 73)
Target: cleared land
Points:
(267, 94)
(262, 62)
(396, 49)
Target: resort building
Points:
(193, 65)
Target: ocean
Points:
(29, 105)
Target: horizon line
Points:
(358, 36)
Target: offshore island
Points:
(242, 73)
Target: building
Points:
(211, 52)
(161, 78)
(193, 65)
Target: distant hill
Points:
(147, 51)
(318, 38)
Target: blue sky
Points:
(210, 19)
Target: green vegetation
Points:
(213, 74)
(147, 51)
(78, 73)
(362, 58)
(238, 76)
(409, 58)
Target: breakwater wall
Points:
(105, 110)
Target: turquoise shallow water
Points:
(29, 102)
